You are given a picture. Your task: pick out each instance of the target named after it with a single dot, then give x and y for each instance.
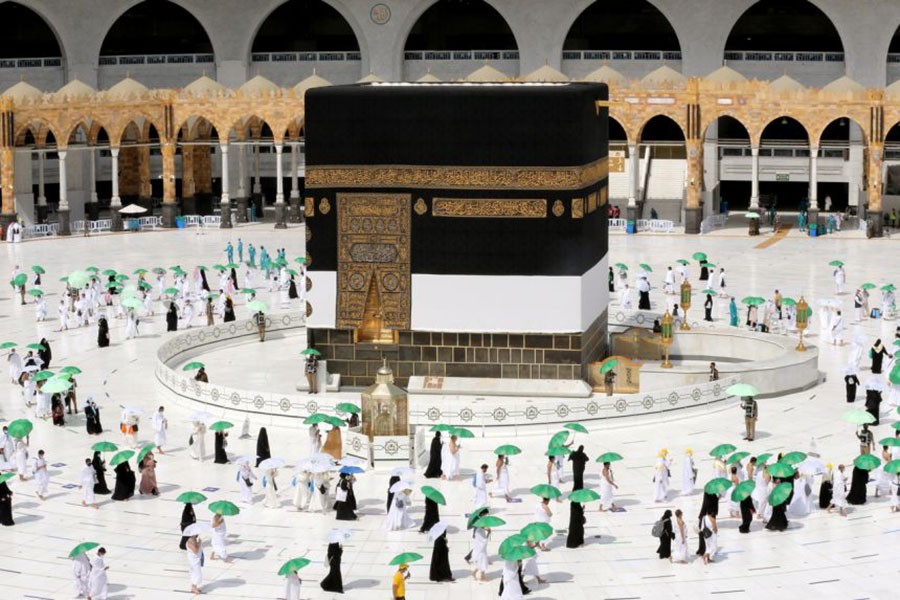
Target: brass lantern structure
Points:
(667, 336)
(384, 407)
(802, 321)
(685, 304)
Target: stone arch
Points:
(666, 120)
(731, 115)
(194, 127)
(39, 130)
(285, 16)
(434, 10)
(621, 126)
(819, 130)
(624, 20)
(24, 22)
(252, 127)
(137, 125)
(91, 127)
(157, 12)
(782, 124)
(801, 26)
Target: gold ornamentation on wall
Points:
(577, 208)
(593, 200)
(604, 195)
(324, 206)
(309, 207)
(463, 178)
(558, 208)
(471, 207)
(421, 207)
(373, 250)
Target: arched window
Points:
(156, 27)
(26, 34)
(632, 25)
(461, 25)
(783, 26)
(305, 26)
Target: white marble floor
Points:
(823, 555)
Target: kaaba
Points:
(457, 230)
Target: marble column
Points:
(634, 169)
(241, 200)
(754, 178)
(169, 205)
(63, 212)
(296, 215)
(8, 206)
(693, 210)
(279, 188)
(42, 196)
(813, 214)
(225, 204)
(115, 202)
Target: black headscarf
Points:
(262, 446)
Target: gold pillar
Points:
(8, 177)
(694, 150)
(144, 188)
(876, 157)
(187, 171)
(168, 168)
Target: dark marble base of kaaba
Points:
(486, 355)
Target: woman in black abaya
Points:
(665, 539)
(746, 514)
(576, 525)
(857, 493)
(390, 495)
(172, 318)
(579, 460)
(262, 446)
(219, 443)
(187, 518)
(440, 560)
(99, 465)
(342, 499)
(292, 289)
(434, 459)
(125, 481)
(333, 582)
(432, 515)
(6, 518)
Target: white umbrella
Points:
(352, 461)
(811, 466)
(402, 485)
(851, 370)
(132, 209)
(196, 529)
(272, 463)
(403, 473)
(338, 535)
(875, 384)
(437, 530)
(31, 369)
(320, 468)
(132, 411)
(321, 457)
(245, 460)
(201, 416)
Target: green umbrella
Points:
(110, 272)
(895, 376)
(248, 291)
(682, 261)
(82, 548)
(122, 277)
(8, 345)
(558, 439)
(170, 291)
(741, 389)
(20, 428)
(404, 558)
(35, 292)
(710, 265)
(699, 256)
(557, 451)
(780, 469)
(836, 263)
(292, 272)
(301, 260)
(896, 425)
(144, 452)
(751, 215)
(112, 285)
(212, 295)
(104, 447)
(132, 303)
(315, 418)
(781, 493)
(4, 477)
(190, 498)
(224, 508)
(37, 347)
(609, 366)
(510, 450)
(489, 521)
(43, 375)
(441, 427)
(866, 462)
(892, 467)
(515, 553)
(546, 491)
(516, 539)
(433, 494)
(793, 458)
(335, 421)
(622, 266)
(56, 386)
(762, 458)
(789, 302)
(888, 288)
(38, 269)
(736, 457)
(347, 408)
(139, 271)
(293, 565)
(144, 285)
(70, 371)
(312, 351)
(645, 267)
(722, 450)
(219, 267)
(92, 269)
(857, 416)
(221, 426)
(753, 301)
(62, 376)
(889, 441)
(257, 306)
(175, 268)
(709, 292)
(609, 457)
(121, 457)
(868, 286)
(462, 433)
(201, 268)
(64, 278)
(717, 486)
(19, 280)
(583, 495)
(192, 365)
(576, 427)
(743, 490)
(232, 265)
(475, 515)
(537, 531)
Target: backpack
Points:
(657, 530)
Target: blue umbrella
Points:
(352, 470)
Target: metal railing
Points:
(461, 55)
(780, 56)
(657, 55)
(30, 63)
(157, 59)
(713, 222)
(281, 57)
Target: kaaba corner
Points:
(457, 230)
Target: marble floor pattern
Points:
(821, 555)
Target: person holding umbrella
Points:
(195, 561)
(440, 554)
(398, 584)
(433, 471)
(751, 413)
(312, 368)
(97, 580)
(334, 581)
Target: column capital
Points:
(61, 154)
(114, 151)
(754, 150)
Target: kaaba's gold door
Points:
(373, 264)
